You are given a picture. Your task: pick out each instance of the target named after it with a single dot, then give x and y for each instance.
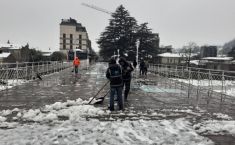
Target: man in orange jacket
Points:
(76, 63)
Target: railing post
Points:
(47, 67)
(189, 84)
(198, 86)
(222, 89)
(26, 70)
(17, 71)
(32, 72)
(7, 69)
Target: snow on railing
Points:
(12, 74)
(199, 84)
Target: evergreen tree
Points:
(58, 56)
(35, 55)
(119, 35)
(25, 53)
(231, 53)
(148, 47)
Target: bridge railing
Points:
(203, 87)
(12, 74)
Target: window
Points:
(64, 46)
(80, 36)
(71, 46)
(71, 36)
(64, 35)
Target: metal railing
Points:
(12, 74)
(203, 87)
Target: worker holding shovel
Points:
(114, 74)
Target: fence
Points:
(12, 74)
(213, 89)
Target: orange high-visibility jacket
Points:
(76, 61)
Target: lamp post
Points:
(87, 58)
(118, 55)
(137, 52)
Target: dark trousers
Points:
(76, 69)
(127, 85)
(118, 91)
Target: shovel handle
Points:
(99, 91)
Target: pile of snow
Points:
(45, 126)
(93, 131)
(222, 116)
(72, 110)
(11, 83)
(215, 127)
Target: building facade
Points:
(208, 51)
(73, 36)
(170, 58)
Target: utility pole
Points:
(137, 53)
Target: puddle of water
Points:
(155, 89)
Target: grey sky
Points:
(176, 21)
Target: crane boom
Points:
(97, 8)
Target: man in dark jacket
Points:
(126, 75)
(134, 63)
(114, 74)
(142, 67)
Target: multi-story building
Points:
(10, 53)
(208, 51)
(73, 36)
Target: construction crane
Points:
(97, 8)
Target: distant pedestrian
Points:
(126, 74)
(145, 70)
(134, 63)
(142, 67)
(76, 63)
(114, 74)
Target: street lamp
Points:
(137, 52)
(87, 57)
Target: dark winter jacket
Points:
(114, 74)
(126, 69)
(142, 65)
(134, 64)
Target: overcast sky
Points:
(177, 21)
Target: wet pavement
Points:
(152, 92)
(56, 87)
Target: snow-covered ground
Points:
(207, 82)
(73, 122)
(11, 83)
(229, 86)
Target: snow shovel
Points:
(98, 92)
(100, 100)
(38, 76)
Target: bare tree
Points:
(188, 50)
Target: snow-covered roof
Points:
(10, 46)
(46, 53)
(4, 54)
(77, 49)
(217, 58)
(171, 55)
(196, 62)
